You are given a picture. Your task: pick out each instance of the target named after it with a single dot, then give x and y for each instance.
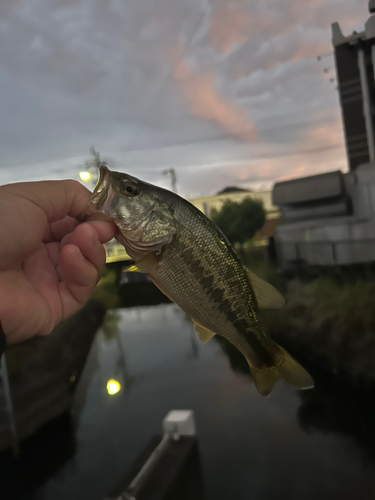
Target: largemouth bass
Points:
(192, 262)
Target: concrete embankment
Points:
(43, 372)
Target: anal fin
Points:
(204, 333)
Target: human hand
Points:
(49, 261)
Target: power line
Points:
(244, 161)
(170, 74)
(281, 128)
(300, 125)
(327, 54)
(321, 149)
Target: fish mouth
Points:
(101, 190)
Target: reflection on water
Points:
(336, 408)
(42, 456)
(300, 446)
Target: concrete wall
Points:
(336, 240)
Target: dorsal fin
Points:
(266, 295)
(204, 333)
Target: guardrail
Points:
(326, 253)
(158, 473)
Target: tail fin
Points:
(285, 367)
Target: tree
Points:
(240, 221)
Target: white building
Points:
(329, 219)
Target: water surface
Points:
(251, 447)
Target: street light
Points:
(85, 176)
(113, 387)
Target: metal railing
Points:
(327, 253)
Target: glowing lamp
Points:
(85, 176)
(113, 387)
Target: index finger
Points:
(55, 231)
(57, 199)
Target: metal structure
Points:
(178, 425)
(328, 219)
(355, 68)
(172, 173)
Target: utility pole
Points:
(172, 173)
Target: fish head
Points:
(141, 211)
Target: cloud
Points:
(325, 135)
(205, 102)
(131, 78)
(232, 23)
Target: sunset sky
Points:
(226, 92)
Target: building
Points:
(329, 219)
(355, 65)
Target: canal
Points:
(302, 446)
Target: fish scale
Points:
(200, 258)
(217, 307)
(190, 260)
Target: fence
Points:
(325, 253)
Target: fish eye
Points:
(130, 189)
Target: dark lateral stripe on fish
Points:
(216, 294)
(206, 282)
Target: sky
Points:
(227, 92)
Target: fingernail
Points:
(95, 241)
(78, 252)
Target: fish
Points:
(191, 261)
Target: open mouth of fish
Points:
(102, 188)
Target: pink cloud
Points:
(324, 135)
(232, 24)
(204, 101)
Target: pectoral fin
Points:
(144, 265)
(204, 333)
(266, 295)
